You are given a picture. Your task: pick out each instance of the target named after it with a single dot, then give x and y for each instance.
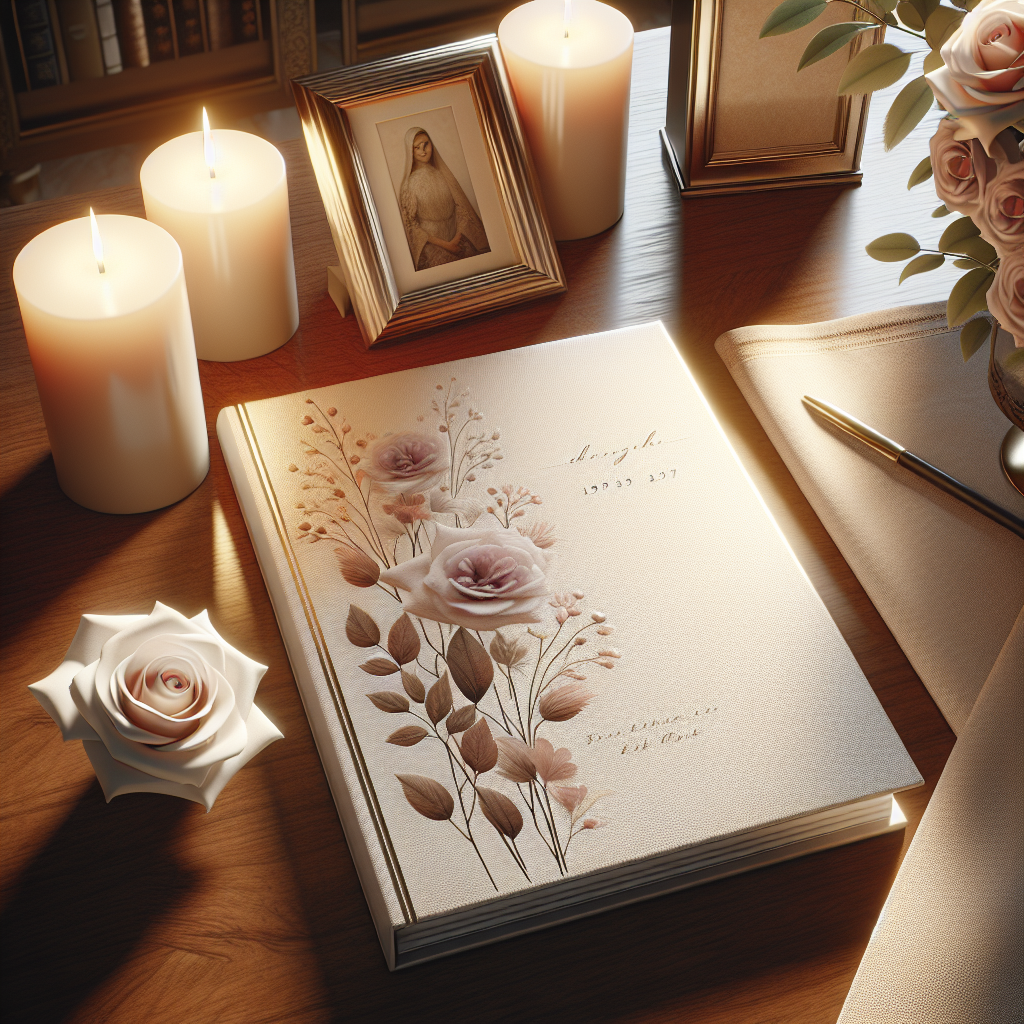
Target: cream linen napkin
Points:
(949, 945)
(948, 582)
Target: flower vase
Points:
(1006, 382)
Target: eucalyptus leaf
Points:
(907, 110)
(875, 67)
(893, 248)
(891, 19)
(973, 335)
(941, 211)
(925, 7)
(977, 249)
(941, 24)
(964, 264)
(968, 296)
(832, 38)
(960, 229)
(921, 265)
(791, 15)
(910, 16)
(932, 62)
(887, 5)
(922, 172)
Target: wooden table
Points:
(149, 909)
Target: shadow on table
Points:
(86, 900)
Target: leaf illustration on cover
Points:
(500, 812)
(357, 567)
(589, 802)
(360, 628)
(552, 765)
(389, 701)
(439, 699)
(403, 641)
(570, 797)
(428, 797)
(413, 686)
(507, 652)
(379, 667)
(565, 702)
(408, 736)
(470, 666)
(516, 760)
(461, 720)
(479, 750)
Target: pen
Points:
(900, 455)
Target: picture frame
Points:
(436, 229)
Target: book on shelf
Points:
(80, 34)
(39, 58)
(555, 654)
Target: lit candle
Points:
(569, 62)
(107, 322)
(223, 195)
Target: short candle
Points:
(223, 195)
(569, 62)
(107, 322)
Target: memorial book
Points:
(555, 653)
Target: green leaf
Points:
(887, 5)
(941, 24)
(977, 248)
(893, 248)
(875, 67)
(973, 335)
(832, 38)
(932, 62)
(930, 261)
(791, 15)
(890, 19)
(925, 7)
(968, 296)
(940, 211)
(964, 264)
(910, 16)
(912, 103)
(960, 229)
(922, 172)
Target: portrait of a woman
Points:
(440, 222)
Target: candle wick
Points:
(567, 17)
(213, 173)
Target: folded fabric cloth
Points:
(949, 945)
(947, 581)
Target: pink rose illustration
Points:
(1006, 295)
(984, 66)
(1002, 221)
(478, 578)
(406, 462)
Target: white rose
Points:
(162, 703)
(983, 76)
(477, 578)
(406, 462)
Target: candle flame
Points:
(208, 144)
(97, 242)
(567, 17)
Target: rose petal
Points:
(244, 673)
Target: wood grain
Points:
(150, 909)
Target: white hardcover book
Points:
(555, 653)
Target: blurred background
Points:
(91, 87)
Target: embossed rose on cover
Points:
(162, 703)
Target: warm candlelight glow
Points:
(567, 17)
(208, 144)
(97, 242)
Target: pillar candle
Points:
(115, 362)
(235, 238)
(569, 62)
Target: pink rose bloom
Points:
(1006, 295)
(478, 578)
(1002, 219)
(981, 82)
(961, 168)
(406, 462)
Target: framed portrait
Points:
(428, 186)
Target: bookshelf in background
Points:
(82, 74)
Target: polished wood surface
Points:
(149, 909)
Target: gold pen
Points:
(898, 454)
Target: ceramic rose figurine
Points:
(161, 703)
(975, 71)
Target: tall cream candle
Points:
(115, 362)
(235, 237)
(569, 62)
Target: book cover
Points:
(554, 651)
(131, 33)
(107, 25)
(81, 36)
(40, 62)
(159, 30)
(188, 25)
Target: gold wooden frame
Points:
(688, 137)
(381, 312)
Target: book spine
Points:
(247, 22)
(131, 33)
(38, 50)
(109, 44)
(81, 37)
(159, 30)
(189, 27)
(218, 24)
